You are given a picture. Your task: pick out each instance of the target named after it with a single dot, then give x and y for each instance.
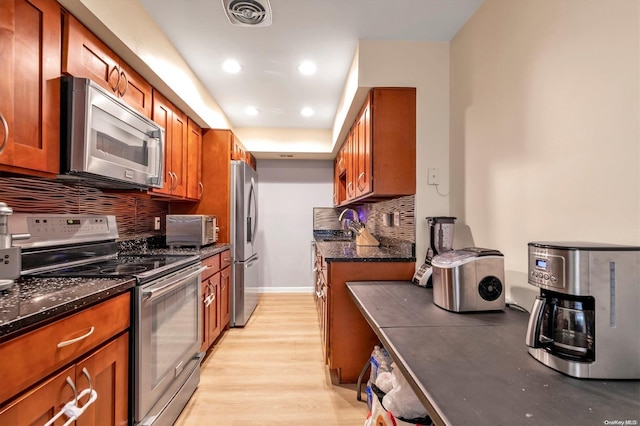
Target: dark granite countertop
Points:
(474, 368)
(203, 252)
(31, 302)
(332, 247)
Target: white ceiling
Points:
(323, 31)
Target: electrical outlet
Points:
(156, 224)
(396, 218)
(434, 176)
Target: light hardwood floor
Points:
(271, 372)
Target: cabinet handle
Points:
(115, 88)
(360, 176)
(126, 84)
(71, 408)
(6, 133)
(349, 186)
(201, 185)
(172, 186)
(77, 339)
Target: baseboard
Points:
(285, 290)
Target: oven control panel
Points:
(59, 226)
(55, 229)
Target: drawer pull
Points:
(77, 339)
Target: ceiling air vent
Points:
(248, 13)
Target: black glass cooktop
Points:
(144, 267)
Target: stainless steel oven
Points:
(166, 319)
(167, 342)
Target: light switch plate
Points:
(156, 224)
(396, 218)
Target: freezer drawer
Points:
(245, 290)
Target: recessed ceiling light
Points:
(252, 111)
(306, 111)
(307, 68)
(231, 66)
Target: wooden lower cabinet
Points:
(109, 372)
(216, 298)
(350, 339)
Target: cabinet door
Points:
(84, 55)
(175, 125)
(193, 170)
(225, 297)
(363, 160)
(204, 341)
(214, 308)
(42, 403)
(30, 49)
(108, 369)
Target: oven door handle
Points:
(157, 292)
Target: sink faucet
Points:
(345, 222)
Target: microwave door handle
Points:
(533, 337)
(156, 134)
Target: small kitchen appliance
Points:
(440, 241)
(10, 257)
(585, 321)
(191, 230)
(470, 279)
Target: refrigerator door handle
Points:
(251, 223)
(250, 262)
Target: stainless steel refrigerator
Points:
(244, 226)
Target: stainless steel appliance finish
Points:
(192, 230)
(471, 279)
(167, 343)
(585, 321)
(104, 140)
(244, 249)
(10, 256)
(440, 241)
(166, 303)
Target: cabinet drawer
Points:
(225, 259)
(31, 357)
(213, 265)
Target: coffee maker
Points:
(585, 322)
(440, 241)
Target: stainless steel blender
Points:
(440, 241)
(10, 257)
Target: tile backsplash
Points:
(372, 215)
(134, 210)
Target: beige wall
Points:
(545, 135)
(425, 66)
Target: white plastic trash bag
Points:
(401, 400)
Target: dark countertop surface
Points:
(203, 252)
(336, 250)
(35, 301)
(474, 368)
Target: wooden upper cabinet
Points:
(84, 55)
(195, 186)
(363, 157)
(30, 50)
(176, 136)
(379, 153)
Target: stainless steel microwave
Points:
(191, 230)
(107, 142)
